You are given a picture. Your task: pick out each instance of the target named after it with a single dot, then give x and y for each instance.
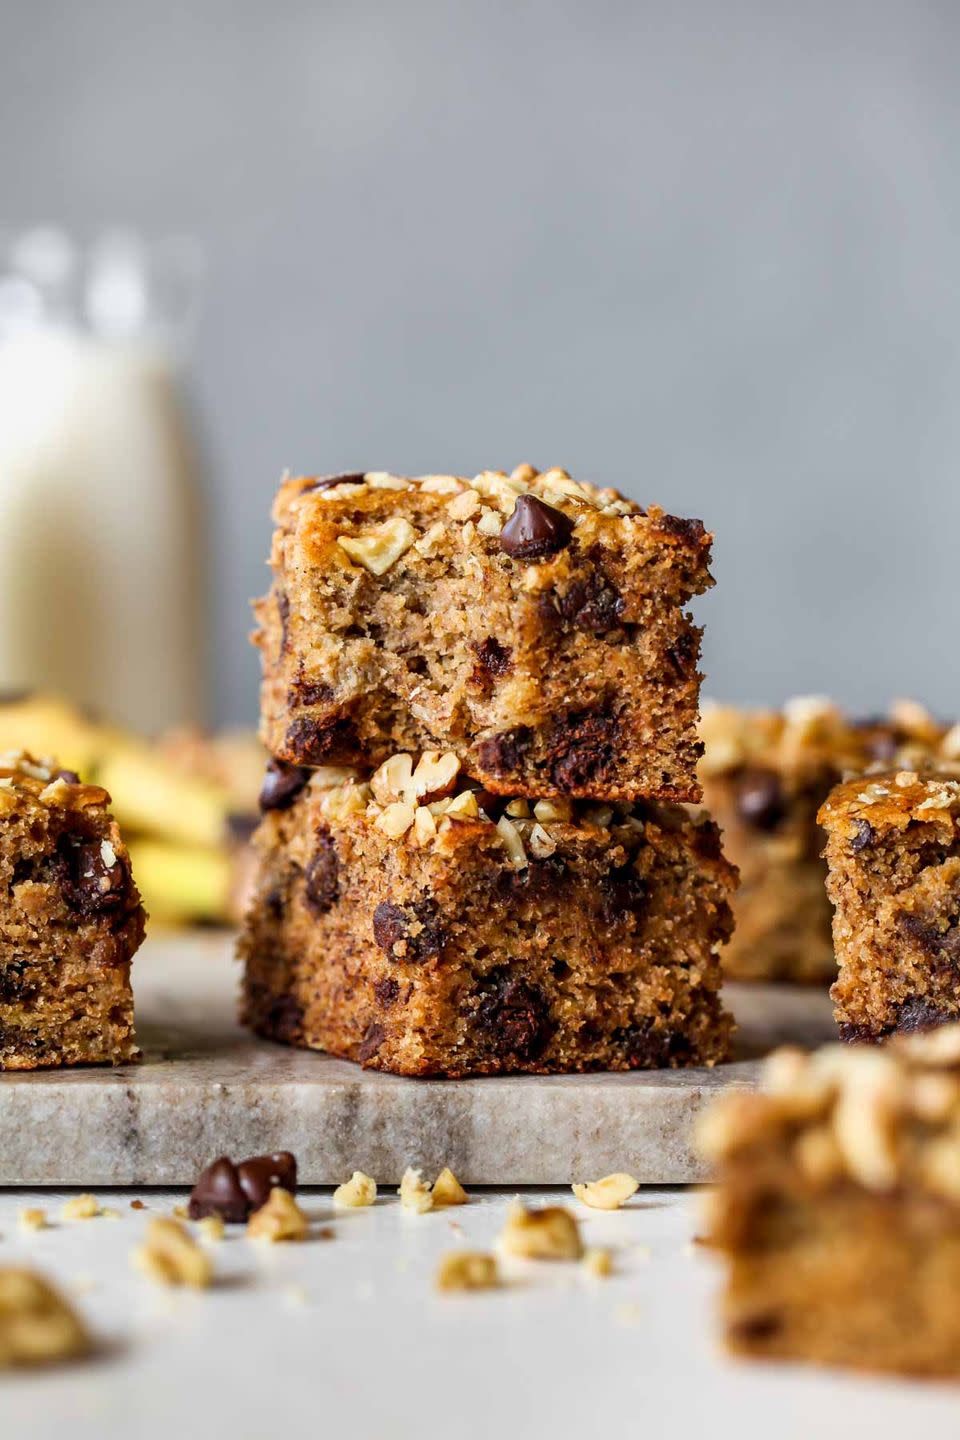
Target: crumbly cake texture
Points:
(532, 624)
(893, 852)
(837, 1207)
(765, 775)
(70, 922)
(420, 926)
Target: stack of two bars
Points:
(481, 698)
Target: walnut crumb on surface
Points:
(37, 1326)
(467, 1270)
(548, 1234)
(447, 1189)
(280, 1219)
(171, 1256)
(610, 1193)
(415, 1194)
(360, 1190)
(32, 1219)
(81, 1207)
(598, 1262)
(211, 1227)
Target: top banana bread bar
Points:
(531, 624)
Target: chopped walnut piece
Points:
(415, 1194)
(360, 1190)
(396, 820)
(280, 1219)
(32, 1218)
(37, 1326)
(434, 776)
(392, 780)
(81, 1207)
(510, 836)
(171, 1256)
(212, 1227)
(380, 547)
(557, 811)
(447, 1189)
(424, 825)
(462, 807)
(467, 1270)
(548, 1234)
(463, 506)
(610, 1193)
(598, 1262)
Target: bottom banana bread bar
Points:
(837, 1206)
(423, 927)
(70, 922)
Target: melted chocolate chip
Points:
(863, 836)
(930, 937)
(919, 1014)
(409, 932)
(322, 874)
(684, 653)
(593, 604)
(535, 530)
(88, 884)
(692, 532)
(314, 742)
(263, 1173)
(386, 992)
(218, 1192)
(583, 750)
(503, 754)
(282, 1021)
(13, 986)
(373, 1038)
(69, 777)
(760, 798)
(513, 1017)
(647, 1046)
(282, 784)
(623, 892)
(493, 659)
(762, 1326)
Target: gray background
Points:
(704, 251)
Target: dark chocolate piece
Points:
(534, 530)
(282, 784)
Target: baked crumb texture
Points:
(449, 931)
(70, 922)
(765, 775)
(837, 1207)
(893, 852)
(532, 625)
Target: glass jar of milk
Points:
(100, 513)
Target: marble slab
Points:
(206, 1087)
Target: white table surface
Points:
(346, 1337)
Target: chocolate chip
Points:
(684, 653)
(283, 610)
(263, 1173)
(582, 750)
(692, 532)
(929, 936)
(760, 798)
(649, 1046)
(513, 1017)
(328, 482)
(282, 784)
(218, 1192)
(13, 986)
(503, 754)
(593, 604)
(409, 932)
(373, 1038)
(493, 660)
(314, 742)
(762, 1326)
(282, 1020)
(386, 992)
(852, 1033)
(69, 777)
(322, 874)
(622, 892)
(863, 836)
(89, 885)
(535, 530)
(241, 827)
(918, 1013)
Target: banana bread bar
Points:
(532, 625)
(765, 774)
(70, 922)
(837, 1210)
(893, 852)
(421, 926)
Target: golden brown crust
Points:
(554, 660)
